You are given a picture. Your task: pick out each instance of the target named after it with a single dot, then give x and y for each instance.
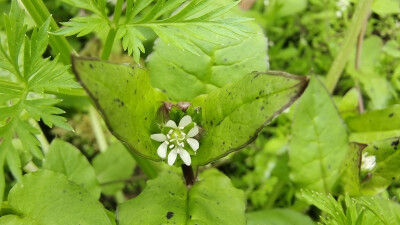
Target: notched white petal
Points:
(171, 123)
(172, 156)
(193, 132)
(185, 121)
(194, 144)
(162, 150)
(185, 157)
(158, 137)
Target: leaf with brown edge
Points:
(125, 98)
(232, 116)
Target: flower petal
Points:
(158, 137)
(193, 132)
(185, 156)
(185, 121)
(162, 150)
(172, 156)
(194, 144)
(171, 123)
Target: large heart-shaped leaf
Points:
(127, 101)
(223, 59)
(319, 140)
(48, 198)
(166, 200)
(67, 159)
(233, 116)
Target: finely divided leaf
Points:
(126, 99)
(212, 200)
(233, 116)
(319, 140)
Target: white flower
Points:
(368, 162)
(174, 140)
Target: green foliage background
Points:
(61, 162)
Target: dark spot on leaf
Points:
(163, 90)
(211, 122)
(391, 114)
(257, 97)
(262, 108)
(145, 118)
(138, 140)
(190, 216)
(170, 215)
(376, 147)
(393, 178)
(91, 66)
(217, 203)
(64, 191)
(395, 144)
(119, 102)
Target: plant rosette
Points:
(177, 140)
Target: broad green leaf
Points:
(278, 217)
(48, 198)
(284, 8)
(166, 200)
(385, 7)
(375, 125)
(233, 116)
(113, 167)
(67, 159)
(387, 168)
(127, 101)
(319, 140)
(184, 75)
(377, 120)
(367, 137)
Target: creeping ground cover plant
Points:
(148, 112)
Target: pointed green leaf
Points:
(375, 125)
(319, 140)
(67, 159)
(166, 200)
(222, 59)
(233, 116)
(124, 96)
(113, 167)
(387, 168)
(376, 120)
(350, 179)
(48, 198)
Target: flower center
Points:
(176, 137)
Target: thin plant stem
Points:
(362, 10)
(41, 137)
(98, 131)
(188, 174)
(360, 42)
(30, 167)
(113, 31)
